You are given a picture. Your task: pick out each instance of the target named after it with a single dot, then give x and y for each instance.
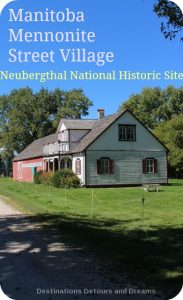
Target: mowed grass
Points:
(142, 243)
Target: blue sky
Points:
(128, 28)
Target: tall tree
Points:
(172, 16)
(154, 105)
(171, 134)
(162, 111)
(26, 116)
(74, 105)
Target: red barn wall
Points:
(22, 170)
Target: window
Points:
(105, 166)
(150, 166)
(78, 166)
(127, 133)
(69, 163)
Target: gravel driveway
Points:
(35, 264)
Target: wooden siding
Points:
(109, 140)
(127, 168)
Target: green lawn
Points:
(142, 242)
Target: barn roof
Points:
(35, 149)
(99, 127)
(96, 127)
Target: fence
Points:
(86, 202)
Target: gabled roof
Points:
(96, 127)
(35, 149)
(77, 124)
(99, 127)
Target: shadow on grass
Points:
(152, 259)
(176, 184)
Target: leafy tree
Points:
(145, 106)
(171, 134)
(154, 105)
(26, 116)
(74, 105)
(173, 18)
(1, 142)
(162, 111)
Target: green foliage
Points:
(37, 177)
(65, 178)
(62, 178)
(145, 106)
(171, 134)
(26, 116)
(43, 177)
(60, 175)
(170, 12)
(154, 105)
(46, 178)
(75, 105)
(70, 181)
(162, 111)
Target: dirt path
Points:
(35, 264)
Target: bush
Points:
(70, 181)
(62, 178)
(59, 175)
(46, 178)
(65, 177)
(37, 177)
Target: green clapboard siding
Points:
(127, 168)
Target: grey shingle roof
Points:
(99, 127)
(35, 149)
(77, 124)
(96, 127)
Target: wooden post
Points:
(65, 197)
(92, 202)
(92, 198)
(35, 188)
(49, 192)
(143, 211)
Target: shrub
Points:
(46, 178)
(37, 177)
(59, 175)
(66, 172)
(71, 181)
(63, 177)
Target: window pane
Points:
(104, 166)
(150, 165)
(127, 132)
